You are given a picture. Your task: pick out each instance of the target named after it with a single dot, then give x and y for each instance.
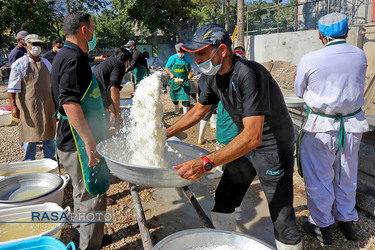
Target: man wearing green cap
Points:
(264, 145)
(331, 81)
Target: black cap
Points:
(209, 34)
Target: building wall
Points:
(288, 46)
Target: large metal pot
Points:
(209, 239)
(152, 176)
(26, 167)
(56, 196)
(25, 187)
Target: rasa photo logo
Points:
(71, 217)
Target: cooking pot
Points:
(25, 187)
(175, 152)
(210, 239)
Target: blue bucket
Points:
(41, 243)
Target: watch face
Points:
(208, 166)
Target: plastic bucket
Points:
(41, 243)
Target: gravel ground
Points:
(124, 230)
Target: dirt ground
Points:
(124, 231)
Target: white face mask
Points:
(58, 49)
(180, 55)
(35, 50)
(208, 68)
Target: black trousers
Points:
(275, 172)
(184, 103)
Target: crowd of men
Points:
(63, 85)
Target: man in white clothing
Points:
(331, 81)
(30, 80)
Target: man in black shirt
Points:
(19, 50)
(56, 47)
(138, 63)
(264, 145)
(146, 54)
(109, 75)
(71, 77)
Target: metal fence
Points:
(304, 15)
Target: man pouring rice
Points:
(264, 146)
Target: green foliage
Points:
(113, 26)
(83, 5)
(35, 16)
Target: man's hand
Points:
(94, 156)
(191, 170)
(118, 121)
(12, 101)
(15, 112)
(98, 58)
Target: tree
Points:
(114, 27)
(84, 5)
(169, 16)
(240, 22)
(35, 16)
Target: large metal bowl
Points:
(293, 101)
(25, 187)
(208, 239)
(152, 176)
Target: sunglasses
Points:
(36, 44)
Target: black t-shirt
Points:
(16, 53)
(49, 56)
(249, 90)
(146, 54)
(137, 59)
(109, 73)
(70, 77)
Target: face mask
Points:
(35, 50)
(91, 43)
(180, 55)
(58, 49)
(208, 68)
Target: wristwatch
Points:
(207, 164)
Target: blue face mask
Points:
(91, 43)
(208, 68)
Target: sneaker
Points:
(323, 234)
(348, 230)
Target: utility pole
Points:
(240, 23)
(227, 15)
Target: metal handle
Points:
(202, 215)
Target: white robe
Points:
(331, 81)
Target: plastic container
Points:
(24, 214)
(55, 197)
(25, 167)
(5, 118)
(41, 243)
